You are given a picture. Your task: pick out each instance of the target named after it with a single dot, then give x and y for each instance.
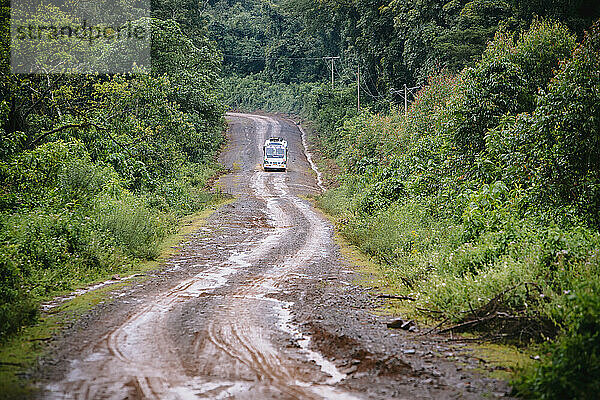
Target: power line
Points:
(346, 75)
(405, 93)
(277, 57)
(364, 88)
(334, 69)
(365, 75)
(368, 91)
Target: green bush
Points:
(133, 226)
(572, 370)
(567, 128)
(506, 81)
(33, 176)
(17, 308)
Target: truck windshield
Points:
(275, 152)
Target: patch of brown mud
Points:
(354, 358)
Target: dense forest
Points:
(95, 169)
(393, 42)
(481, 201)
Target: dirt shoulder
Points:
(348, 320)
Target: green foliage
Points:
(573, 368)
(264, 38)
(565, 183)
(483, 198)
(577, 14)
(16, 308)
(193, 69)
(486, 210)
(506, 81)
(567, 124)
(132, 225)
(251, 93)
(72, 219)
(445, 34)
(394, 41)
(96, 169)
(55, 174)
(328, 109)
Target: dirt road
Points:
(256, 305)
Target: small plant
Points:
(17, 308)
(134, 227)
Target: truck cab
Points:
(275, 154)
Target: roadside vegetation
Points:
(95, 170)
(482, 201)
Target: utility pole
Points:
(405, 99)
(332, 66)
(404, 93)
(358, 88)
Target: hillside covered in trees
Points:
(394, 42)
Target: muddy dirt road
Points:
(258, 304)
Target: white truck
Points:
(275, 154)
